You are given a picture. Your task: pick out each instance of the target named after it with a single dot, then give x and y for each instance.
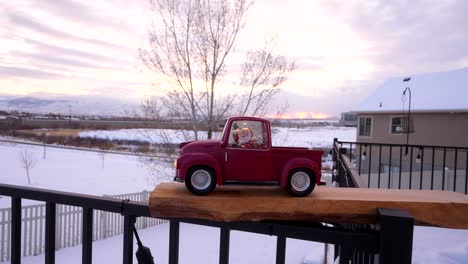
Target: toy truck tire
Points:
(301, 182)
(200, 180)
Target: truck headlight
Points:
(175, 163)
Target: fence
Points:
(68, 225)
(393, 166)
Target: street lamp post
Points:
(407, 89)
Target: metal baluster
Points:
(280, 249)
(15, 230)
(380, 163)
(50, 233)
(389, 167)
(370, 162)
(174, 241)
(411, 169)
(422, 167)
(455, 171)
(224, 245)
(443, 169)
(401, 165)
(87, 236)
(129, 222)
(466, 173)
(432, 169)
(360, 155)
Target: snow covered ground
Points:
(92, 173)
(78, 171)
(311, 137)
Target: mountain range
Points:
(78, 105)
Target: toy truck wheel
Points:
(301, 182)
(200, 180)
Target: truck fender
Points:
(298, 163)
(199, 159)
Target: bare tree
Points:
(151, 108)
(27, 162)
(191, 48)
(262, 73)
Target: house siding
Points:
(438, 129)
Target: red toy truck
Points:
(245, 155)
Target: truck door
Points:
(248, 152)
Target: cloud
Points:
(83, 13)
(6, 71)
(410, 36)
(68, 57)
(25, 21)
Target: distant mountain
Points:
(79, 105)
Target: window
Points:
(365, 126)
(248, 134)
(400, 125)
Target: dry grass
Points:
(52, 132)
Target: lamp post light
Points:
(407, 89)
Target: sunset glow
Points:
(301, 115)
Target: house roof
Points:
(433, 92)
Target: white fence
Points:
(68, 230)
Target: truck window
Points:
(248, 134)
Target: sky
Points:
(343, 49)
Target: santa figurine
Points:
(245, 137)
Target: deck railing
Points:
(68, 225)
(387, 242)
(393, 166)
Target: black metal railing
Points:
(389, 241)
(130, 211)
(395, 166)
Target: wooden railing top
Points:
(325, 204)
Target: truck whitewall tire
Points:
(301, 182)
(200, 180)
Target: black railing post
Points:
(50, 233)
(15, 230)
(87, 236)
(396, 236)
(174, 242)
(224, 245)
(129, 222)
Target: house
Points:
(439, 111)
(348, 119)
(436, 128)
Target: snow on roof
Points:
(433, 92)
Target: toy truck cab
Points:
(245, 155)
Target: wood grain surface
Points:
(324, 204)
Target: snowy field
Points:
(78, 171)
(311, 137)
(93, 173)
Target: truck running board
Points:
(256, 183)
